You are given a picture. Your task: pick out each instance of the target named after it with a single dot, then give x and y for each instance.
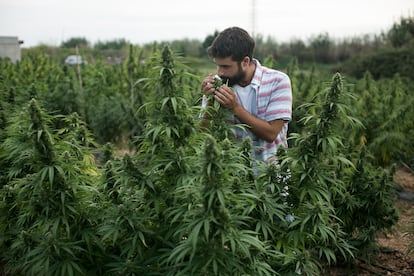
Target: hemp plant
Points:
(46, 200)
(169, 119)
(367, 207)
(218, 117)
(125, 228)
(214, 237)
(168, 128)
(140, 187)
(313, 160)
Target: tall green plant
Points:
(367, 206)
(313, 160)
(169, 116)
(133, 70)
(45, 203)
(214, 237)
(383, 108)
(128, 223)
(168, 128)
(140, 188)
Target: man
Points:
(258, 97)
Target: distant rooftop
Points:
(10, 40)
(10, 48)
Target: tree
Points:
(207, 42)
(402, 34)
(115, 44)
(322, 46)
(74, 42)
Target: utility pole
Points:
(253, 18)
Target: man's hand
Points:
(207, 85)
(227, 98)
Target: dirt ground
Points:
(394, 258)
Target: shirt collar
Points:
(257, 74)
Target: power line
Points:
(253, 18)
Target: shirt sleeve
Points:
(280, 102)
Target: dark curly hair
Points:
(232, 42)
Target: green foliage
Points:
(207, 42)
(313, 161)
(47, 197)
(384, 64)
(323, 157)
(319, 49)
(321, 46)
(402, 34)
(170, 118)
(384, 107)
(189, 200)
(213, 239)
(367, 206)
(75, 42)
(116, 44)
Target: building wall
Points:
(10, 48)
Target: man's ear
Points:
(245, 61)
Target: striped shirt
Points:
(272, 100)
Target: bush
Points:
(384, 64)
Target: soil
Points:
(394, 257)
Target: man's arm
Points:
(267, 131)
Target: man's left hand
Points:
(226, 97)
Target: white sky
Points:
(53, 21)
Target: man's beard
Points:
(230, 81)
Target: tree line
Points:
(382, 54)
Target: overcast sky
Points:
(53, 21)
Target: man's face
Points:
(230, 71)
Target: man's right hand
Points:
(207, 86)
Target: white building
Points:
(10, 48)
